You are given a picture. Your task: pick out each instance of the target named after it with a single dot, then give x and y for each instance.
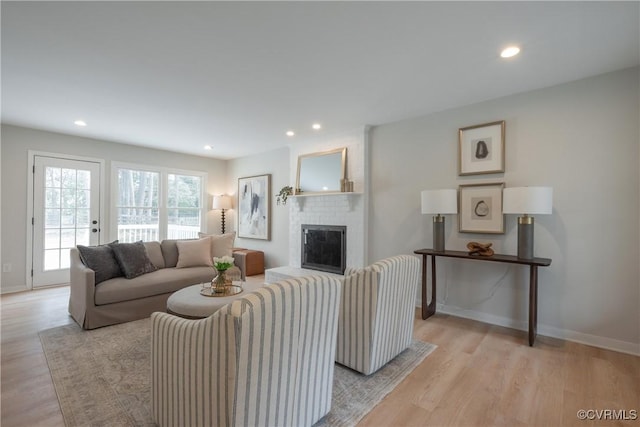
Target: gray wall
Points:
(580, 138)
(276, 163)
(16, 141)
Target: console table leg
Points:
(424, 287)
(533, 303)
(430, 309)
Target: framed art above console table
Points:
(481, 149)
(480, 208)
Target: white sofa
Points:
(263, 360)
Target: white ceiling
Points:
(237, 75)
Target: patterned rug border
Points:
(101, 377)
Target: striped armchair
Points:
(263, 360)
(377, 312)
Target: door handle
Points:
(94, 230)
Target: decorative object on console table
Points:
(481, 209)
(526, 201)
(439, 202)
(254, 207)
(222, 203)
(481, 149)
(482, 249)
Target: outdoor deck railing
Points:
(147, 233)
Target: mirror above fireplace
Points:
(321, 172)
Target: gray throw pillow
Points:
(133, 259)
(101, 260)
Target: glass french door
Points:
(66, 210)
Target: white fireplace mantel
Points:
(299, 199)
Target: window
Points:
(156, 204)
(184, 206)
(138, 207)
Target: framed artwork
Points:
(481, 149)
(254, 207)
(481, 208)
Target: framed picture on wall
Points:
(254, 207)
(481, 149)
(480, 208)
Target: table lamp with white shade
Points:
(527, 201)
(222, 203)
(439, 202)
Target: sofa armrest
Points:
(82, 287)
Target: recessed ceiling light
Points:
(80, 123)
(316, 126)
(207, 147)
(510, 51)
(290, 133)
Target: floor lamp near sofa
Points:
(222, 203)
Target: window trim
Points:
(163, 185)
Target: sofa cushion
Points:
(194, 253)
(133, 259)
(221, 244)
(101, 260)
(154, 251)
(158, 282)
(169, 252)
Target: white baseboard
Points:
(13, 289)
(548, 331)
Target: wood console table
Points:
(429, 310)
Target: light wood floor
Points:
(480, 375)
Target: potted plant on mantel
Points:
(284, 193)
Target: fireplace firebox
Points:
(324, 247)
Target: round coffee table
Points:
(190, 304)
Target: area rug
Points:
(102, 377)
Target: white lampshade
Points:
(527, 200)
(221, 202)
(439, 201)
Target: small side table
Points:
(429, 310)
(249, 261)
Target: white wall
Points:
(276, 163)
(580, 138)
(16, 141)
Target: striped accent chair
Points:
(377, 312)
(266, 359)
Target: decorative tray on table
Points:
(229, 290)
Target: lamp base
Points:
(438, 233)
(525, 237)
(222, 221)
